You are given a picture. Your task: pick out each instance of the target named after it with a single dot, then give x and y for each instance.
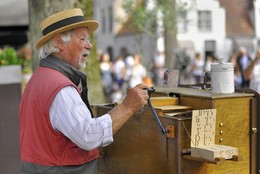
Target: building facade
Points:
(212, 27)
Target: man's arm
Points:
(70, 116)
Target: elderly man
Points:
(58, 133)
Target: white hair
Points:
(49, 47)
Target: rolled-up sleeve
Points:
(106, 123)
(70, 116)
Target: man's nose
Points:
(88, 44)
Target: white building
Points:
(206, 29)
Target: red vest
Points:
(39, 142)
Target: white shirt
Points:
(255, 79)
(119, 65)
(198, 71)
(70, 116)
(129, 63)
(139, 72)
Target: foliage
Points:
(158, 18)
(9, 56)
(145, 14)
(25, 55)
(141, 18)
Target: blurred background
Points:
(164, 34)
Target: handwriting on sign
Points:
(203, 127)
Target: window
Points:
(182, 22)
(204, 20)
(210, 45)
(210, 48)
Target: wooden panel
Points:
(138, 147)
(196, 103)
(176, 145)
(10, 95)
(164, 101)
(253, 130)
(234, 116)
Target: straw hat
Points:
(64, 21)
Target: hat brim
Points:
(92, 25)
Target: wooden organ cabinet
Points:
(139, 147)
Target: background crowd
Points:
(121, 73)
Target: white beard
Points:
(82, 65)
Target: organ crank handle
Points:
(154, 114)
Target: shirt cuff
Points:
(106, 123)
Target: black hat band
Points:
(62, 23)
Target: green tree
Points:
(39, 10)
(170, 30)
(92, 68)
(145, 14)
(144, 17)
(141, 20)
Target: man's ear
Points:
(58, 41)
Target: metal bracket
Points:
(170, 131)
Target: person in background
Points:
(252, 73)
(237, 74)
(243, 60)
(156, 68)
(209, 61)
(106, 75)
(197, 68)
(138, 71)
(129, 63)
(119, 71)
(58, 131)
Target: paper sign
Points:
(203, 127)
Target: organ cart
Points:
(140, 147)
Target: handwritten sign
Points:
(203, 127)
(203, 137)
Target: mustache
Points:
(85, 52)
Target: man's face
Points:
(78, 49)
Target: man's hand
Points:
(136, 97)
